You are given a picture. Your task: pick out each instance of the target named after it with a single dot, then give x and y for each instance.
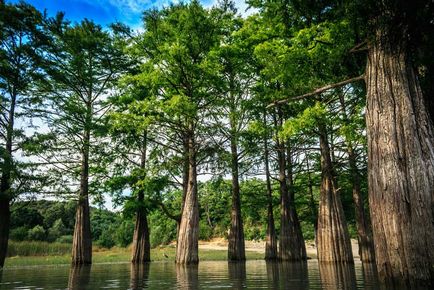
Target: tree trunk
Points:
(289, 249)
(270, 240)
(364, 237)
(141, 248)
(79, 277)
(297, 236)
(5, 183)
(337, 276)
(82, 240)
(333, 241)
(188, 235)
(312, 204)
(5, 217)
(401, 165)
(236, 248)
(139, 277)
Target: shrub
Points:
(37, 234)
(19, 234)
(124, 233)
(56, 231)
(106, 238)
(65, 239)
(205, 231)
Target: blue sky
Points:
(107, 11)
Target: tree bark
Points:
(364, 235)
(188, 235)
(289, 248)
(79, 277)
(312, 205)
(139, 277)
(6, 182)
(270, 240)
(297, 236)
(333, 241)
(82, 240)
(141, 248)
(401, 164)
(236, 248)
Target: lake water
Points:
(208, 275)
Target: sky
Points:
(105, 12)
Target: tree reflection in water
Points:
(79, 277)
(139, 278)
(237, 274)
(293, 275)
(187, 276)
(337, 276)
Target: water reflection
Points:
(79, 277)
(139, 276)
(337, 276)
(237, 274)
(187, 276)
(293, 275)
(272, 268)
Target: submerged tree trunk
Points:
(333, 240)
(297, 236)
(270, 239)
(236, 248)
(401, 164)
(141, 248)
(188, 235)
(5, 216)
(364, 237)
(82, 241)
(289, 248)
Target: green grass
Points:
(40, 253)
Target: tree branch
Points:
(317, 91)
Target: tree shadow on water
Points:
(187, 277)
(79, 277)
(139, 278)
(237, 274)
(336, 276)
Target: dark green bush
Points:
(19, 234)
(37, 234)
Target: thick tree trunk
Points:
(187, 276)
(270, 239)
(237, 274)
(297, 236)
(236, 248)
(289, 247)
(188, 235)
(333, 241)
(5, 183)
(82, 240)
(141, 248)
(401, 165)
(364, 237)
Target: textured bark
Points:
(188, 235)
(333, 241)
(270, 239)
(290, 248)
(401, 165)
(141, 247)
(82, 240)
(364, 234)
(297, 236)
(312, 205)
(79, 277)
(337, 276)
(5, 216)
(5, 182)
(139, 278)
(236, 248)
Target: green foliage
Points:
(37, 233)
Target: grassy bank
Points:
(41, 253)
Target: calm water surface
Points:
(208, 275)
